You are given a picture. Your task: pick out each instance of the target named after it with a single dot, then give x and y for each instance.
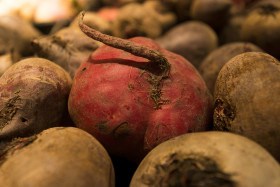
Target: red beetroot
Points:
(133, 99)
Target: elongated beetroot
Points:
(134, 95)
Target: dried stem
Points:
(128, 46)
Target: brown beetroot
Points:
(15, 41)
(230, 32)
(180, 7)
(247, 99)
(66, 48)
(69, 46)
(58, 156)
(132, 95)
(212, 12)
(34, 93)
(208, 159)
(262, 27)
(149, 19)
(193, 40)
(213, 63)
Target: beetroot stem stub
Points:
(128, 46)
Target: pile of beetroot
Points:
(140, 93)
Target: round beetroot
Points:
(262, 27)
(208, 159)
(150, 19)
(130, 103)
(214, 61)
(247, 99)
(56, 157)
(33, 97)
(212, 12)
(194, 40)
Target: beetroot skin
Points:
(131, 104)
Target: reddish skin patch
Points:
(110, 97)
(108, 13)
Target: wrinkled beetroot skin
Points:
(110, 98)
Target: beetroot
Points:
(137, 96)
(213, 12)
(180, 7)
(247, 99)
(194, 40)
(208, 159)
(149, 19)
(56, 157)
(15, 41)
(262, 27)
(34, 93)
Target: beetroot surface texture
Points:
(131, 104)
